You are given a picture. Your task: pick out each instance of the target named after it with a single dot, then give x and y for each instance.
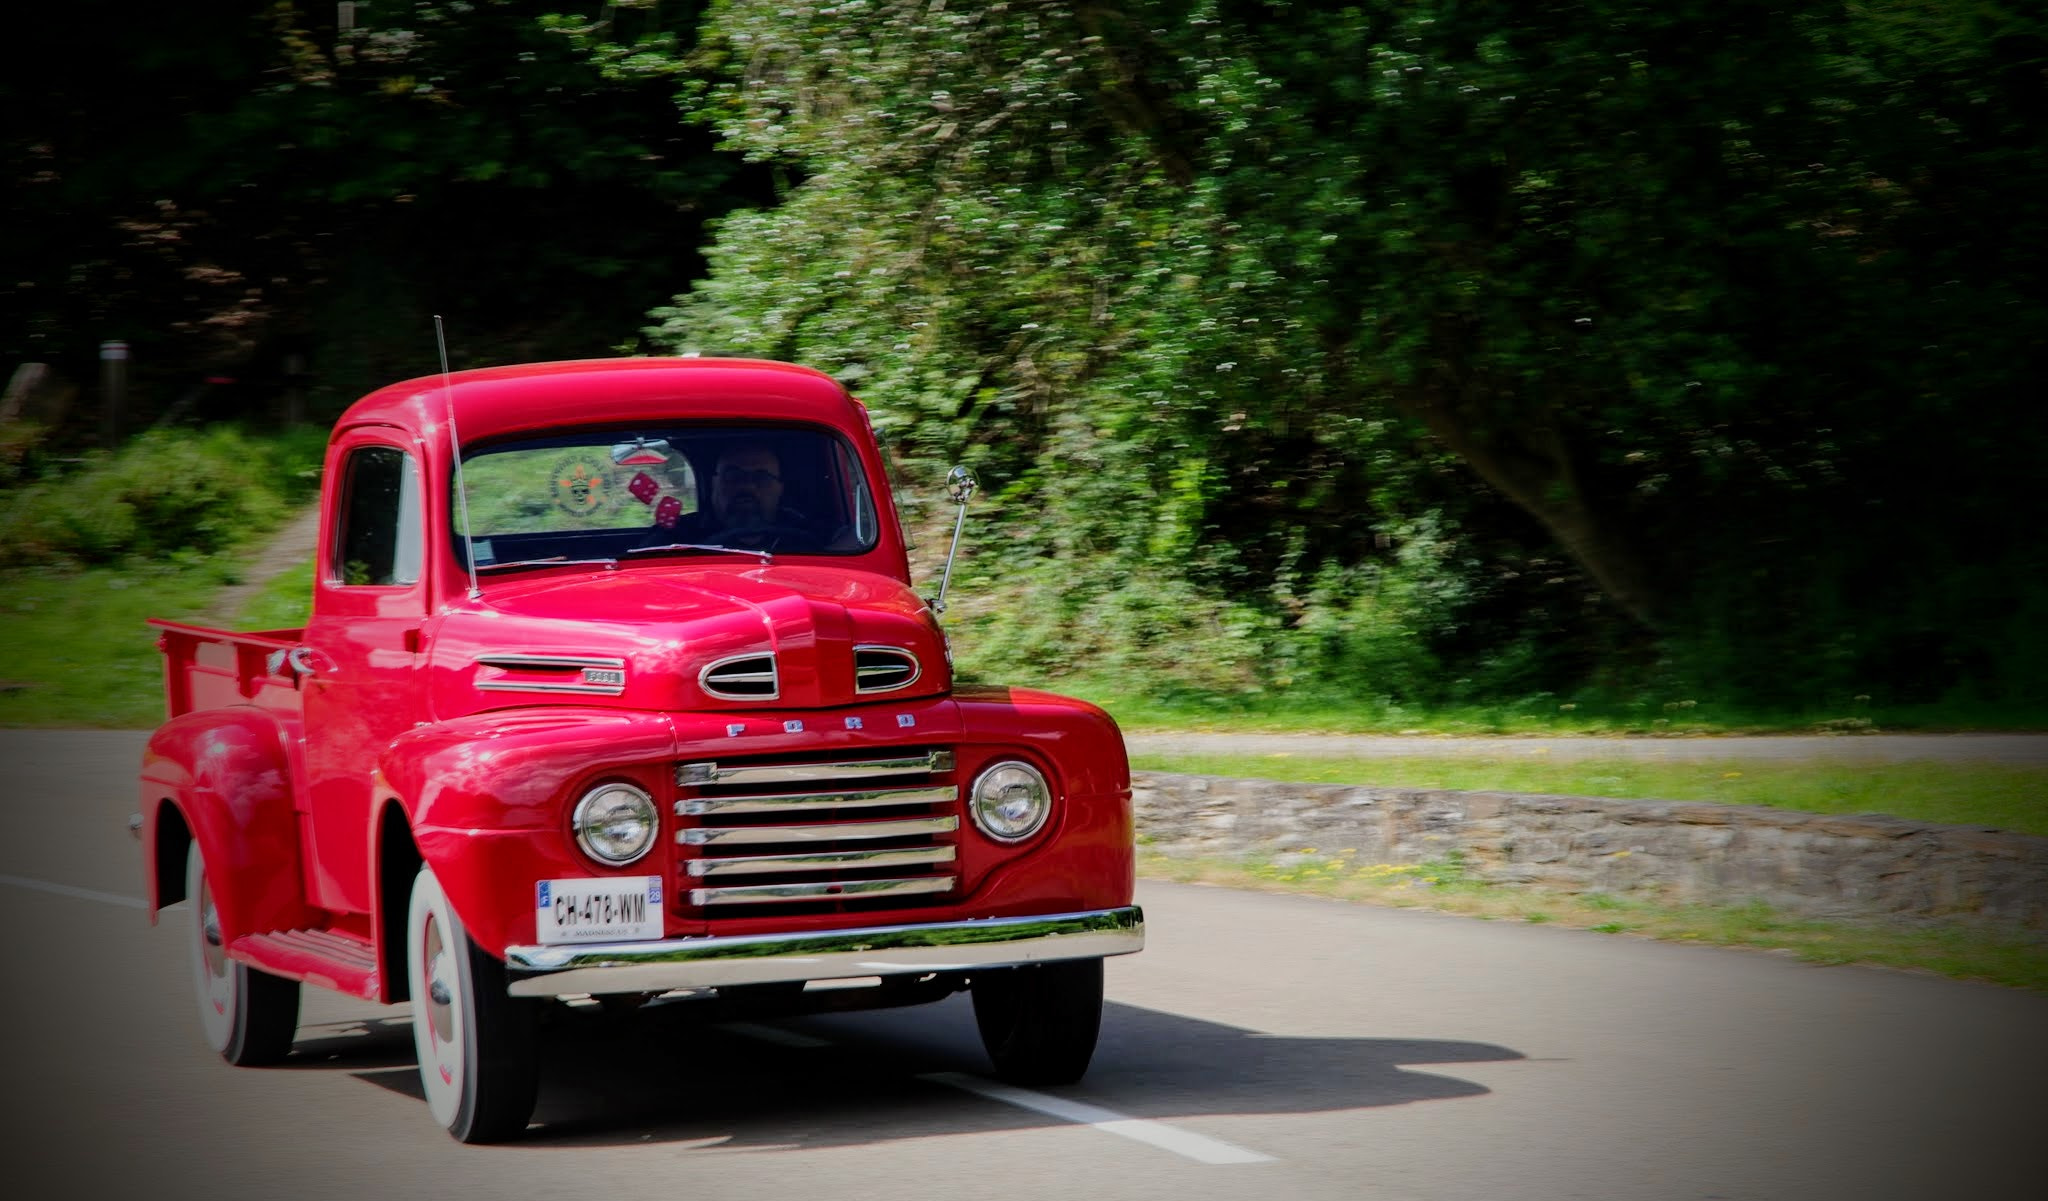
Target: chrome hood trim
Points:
(592, 675)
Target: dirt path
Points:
(291, 545)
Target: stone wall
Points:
(1688, 851)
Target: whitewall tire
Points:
(248, 1016)
(478, 1062)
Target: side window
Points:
(380, 537)
(862, 502)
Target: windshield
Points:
(612, 493)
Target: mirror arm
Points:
(960, 485)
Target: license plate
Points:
(603, 909)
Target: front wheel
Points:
(479, 1062)
(248, 1016)
(1039, 1022)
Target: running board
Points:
(329, 958)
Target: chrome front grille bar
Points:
(836, 832)
(747, 865)
(868, 829)
(768, 894)
(693, 774)
(815, 802)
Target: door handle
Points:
(305, 661)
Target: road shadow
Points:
(367, 1044)
(378, 1051)
(668, 1075)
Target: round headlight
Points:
(1010, 801)
(615, 823)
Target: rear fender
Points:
(224, 778)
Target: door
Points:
(362, 644)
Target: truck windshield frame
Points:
(604, 492)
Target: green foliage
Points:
(169, 493)
(75, 643)
(1427, 350)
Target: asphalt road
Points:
(1261, 1046)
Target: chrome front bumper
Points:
(555, 971)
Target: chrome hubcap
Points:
(211, 956)
(439, 1001)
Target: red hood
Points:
(560, 639)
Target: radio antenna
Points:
(455, 443)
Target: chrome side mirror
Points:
(960, 485)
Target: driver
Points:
(746, 509)
(746, 489)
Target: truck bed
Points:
(209, 669)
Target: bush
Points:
(169, 491)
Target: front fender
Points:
(229, 775)
(488, 799)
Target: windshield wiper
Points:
(557, 561)
(736, 550)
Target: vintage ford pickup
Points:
(615, 686)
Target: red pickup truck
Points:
(615, 686)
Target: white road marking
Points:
(1198, 1147)
(66, 890)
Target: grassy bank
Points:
(75, 646)
(1282, 712)
(2004, 796)
(1955, 950)
(92, 546)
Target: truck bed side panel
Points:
(210, 669)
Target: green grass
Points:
(1280, 711)
(1956, 950)
(2005, 796)
(281, 604)
(74, 648)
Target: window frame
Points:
(408, 527)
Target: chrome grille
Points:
(742, 678)
(817, 836)
(884, 668)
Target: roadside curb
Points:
(1687, 851)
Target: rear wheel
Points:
(479, 1062)
(1039, 1022)
(249, 1016)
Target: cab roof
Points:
(493, 402)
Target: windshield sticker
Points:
(582, 484)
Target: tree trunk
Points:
(1534, 466)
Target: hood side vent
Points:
(518, 671)
(884, 669)
(742, 678)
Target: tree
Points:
(290, 186)
(1216, 289)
